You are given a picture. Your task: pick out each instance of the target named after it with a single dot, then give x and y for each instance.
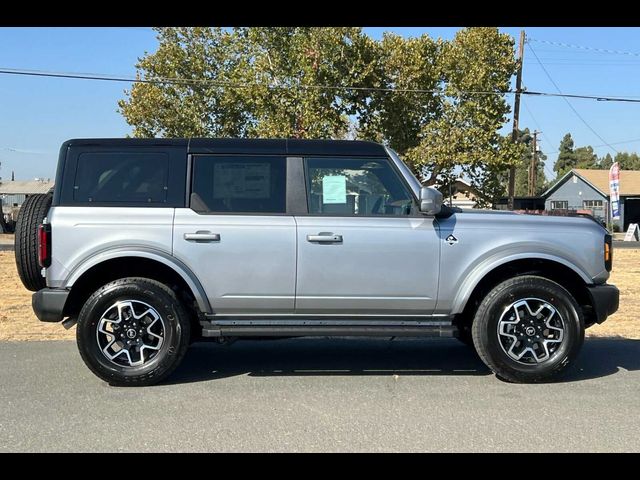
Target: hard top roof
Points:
(254, 146)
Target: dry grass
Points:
(6, 237)
(626, 276)
(17, 321)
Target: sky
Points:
(37, 114)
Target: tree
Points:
(412, 66)
(606, 161)
(627, 161)
(248, 82)
(585, 158)
(524, 164)
(439, 104)
(284, 68)
(566, 156)
(465, 133)
(205, 60)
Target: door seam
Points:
(295, 278)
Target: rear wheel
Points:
(133, 331)
(31, 215)
(528, 329)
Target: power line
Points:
(589, 63)
(567, 101)
(206, 81)
(581, 47)
(572, 95)
(600, 146)
(28, 152)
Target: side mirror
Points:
(430, 201)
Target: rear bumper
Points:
(48, 304)
(605, 299)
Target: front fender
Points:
(480, 270)
(141, 252)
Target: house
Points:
(14, 193)
(459, 193)
(585, 189)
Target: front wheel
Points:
(528, 329)
(133, 331)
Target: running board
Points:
(329, 328)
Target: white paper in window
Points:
(334, 189)
(241, 180)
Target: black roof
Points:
(256, 146)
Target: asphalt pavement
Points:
(320, 395)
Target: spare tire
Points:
(32, 212)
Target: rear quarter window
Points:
(121, 177)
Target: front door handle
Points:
(326, 238)
(202, 237)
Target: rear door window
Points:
(121, 177)
(239, 184)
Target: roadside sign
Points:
(632, 233)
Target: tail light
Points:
(44, 245)
(608, 252)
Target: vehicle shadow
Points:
(604, 356)
(356, 356)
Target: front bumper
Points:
(605, 299)
(48, 304)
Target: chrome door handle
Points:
(330, 238)
(202, 237)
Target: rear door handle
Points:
(328, 238)
(202, 237)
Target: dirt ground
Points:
(17, 321)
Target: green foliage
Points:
(566, 156)
(264, 82)
(397, 117)
(606, 161)
(586, 158)
(192, 108)
(627, 161)
(522, 168)
(465, 131)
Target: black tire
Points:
(32, 212)
(176, 332)
(486, 323)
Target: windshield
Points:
(406, 172)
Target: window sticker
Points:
(241, 180)
(334, 189)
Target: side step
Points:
(294, 328)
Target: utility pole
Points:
(533, 168)
(516, 117)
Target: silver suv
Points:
(150, 244)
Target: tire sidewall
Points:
(505, 295)
(175, 335)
